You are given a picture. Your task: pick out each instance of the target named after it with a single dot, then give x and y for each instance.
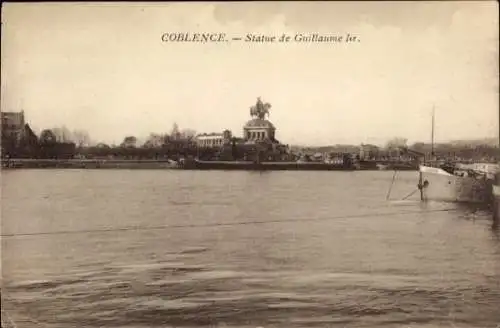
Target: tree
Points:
(175, 134)
(62, 134)
(129, 142)
(188, 134)
(51, 148)
(154, 141)
(419, 146)
(166, 139)
(81, 138)
(47, 137)
(29, 145)
(397, 142)
(8, 144)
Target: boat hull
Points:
(496, 199)
(439, 185)
(265, 166)
(386, 165)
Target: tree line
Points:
(60, 142)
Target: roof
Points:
(411, 151)
(259, 123)
(213, 134)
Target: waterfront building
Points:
(212, 140)
(13, 125)
(257, 130)
(258, 138)
(368, 151)
(18, 139)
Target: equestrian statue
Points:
(260, 109)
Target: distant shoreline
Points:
(87, 164)
(144, 164)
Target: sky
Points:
(103, 68)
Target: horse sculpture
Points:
(260, 109)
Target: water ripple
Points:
(420, 268)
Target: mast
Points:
(421, 184)
(432, 134)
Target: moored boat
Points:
(454, 184)
(496, 199)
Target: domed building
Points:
(258, 140)
(259, 135)
(258, 129)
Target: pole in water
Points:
(410, 194)
(392, 183)
(421, 186)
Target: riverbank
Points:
(87, 164)
(150, 164)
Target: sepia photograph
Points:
(267, 164)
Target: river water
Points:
(139, 248)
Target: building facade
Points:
(257, 130)
(258, 140)
(213, 140)
(368, 151)
(13, 125)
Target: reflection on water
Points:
(241, 249)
